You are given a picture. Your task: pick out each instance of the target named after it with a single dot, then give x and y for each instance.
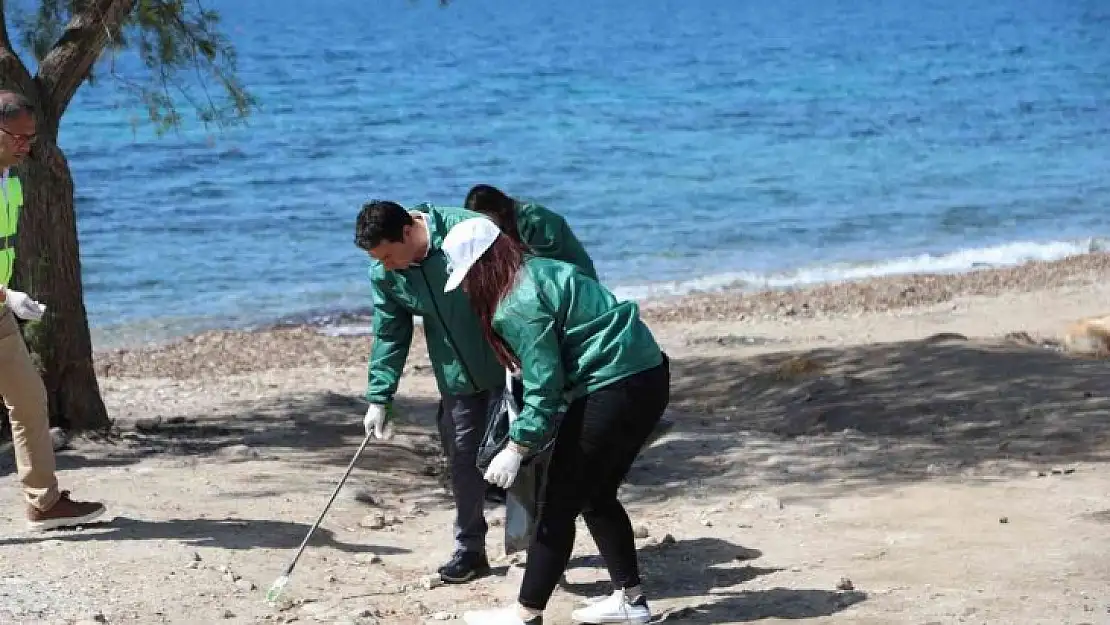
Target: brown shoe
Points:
(64, 513)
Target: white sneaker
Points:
(616, 608)
(499, 616)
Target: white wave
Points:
(971, 259)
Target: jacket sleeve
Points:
(532, 336)
(551, 237)
(392, 337)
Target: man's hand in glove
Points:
(23, 306)
(378, 420)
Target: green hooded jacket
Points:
(462, 360)
(549, 236)
(572, 337)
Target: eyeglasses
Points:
(29, 139)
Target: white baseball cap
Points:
(464, 245)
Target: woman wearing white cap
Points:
(573, 342)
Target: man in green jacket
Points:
(407, 279)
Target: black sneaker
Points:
(464, 566)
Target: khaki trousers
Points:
(25, 396)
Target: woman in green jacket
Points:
(571, 341)
(545, 232)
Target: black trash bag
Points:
(524, 504)
(524, 498)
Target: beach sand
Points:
(909, 449)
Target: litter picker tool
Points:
(279, 584)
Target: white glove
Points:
(23, 306)
(375, 421)
(504, 467)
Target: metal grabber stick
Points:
(280, 583)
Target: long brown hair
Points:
(487, 283)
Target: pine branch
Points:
(70, 60)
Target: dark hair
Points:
(14, 104)
(381, 220)
(487, 283)
(492, 202)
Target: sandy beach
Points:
(911, 449)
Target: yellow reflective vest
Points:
(11, 202)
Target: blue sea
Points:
(691, 144)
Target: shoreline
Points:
(224, 352)
(866, 294)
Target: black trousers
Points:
(599, 438)
(446, 427)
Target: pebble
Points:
(845, 584)
(442, 616)
(230, 575)
(1004, 520)
(245, 584)
(641, 531)
(239, 451)
(430, 582)
(373, 521)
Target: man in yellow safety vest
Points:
(20, 385)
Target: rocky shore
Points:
(883, 294)
(226, 352)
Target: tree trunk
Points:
(48, 268)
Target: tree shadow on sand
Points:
(876, 414)
(321, 428)
(774, 603)
(235, 534)
(715, 567)
(679, 569)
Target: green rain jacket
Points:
(549, 236)
(572, 337)
(463, 363)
